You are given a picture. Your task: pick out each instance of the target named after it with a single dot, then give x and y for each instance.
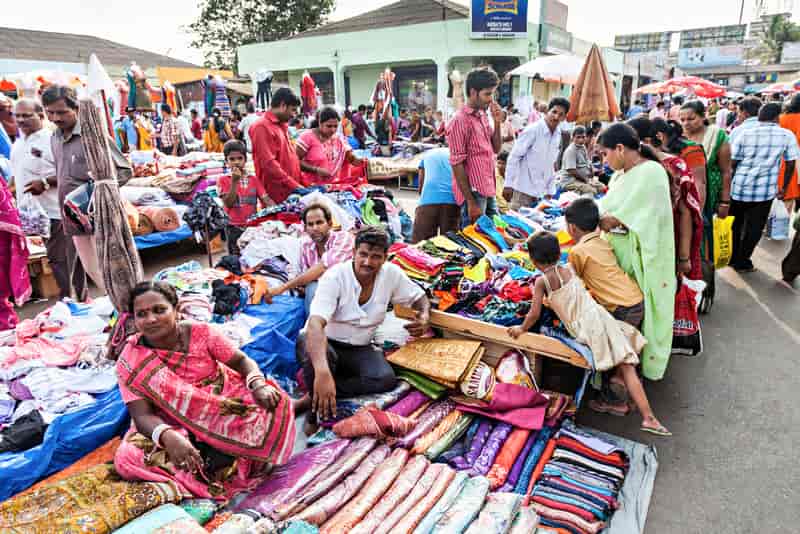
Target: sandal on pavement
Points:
(620, 410)
(659, 430)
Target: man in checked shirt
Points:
(474, 144)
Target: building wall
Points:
(375, 49)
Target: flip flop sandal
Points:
(660, 430)
(609, 409)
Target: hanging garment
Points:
(221, 100)
(264, 93)
(308, 92)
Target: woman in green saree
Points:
(637, 218)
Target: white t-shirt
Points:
(336, 301)
(32, 159)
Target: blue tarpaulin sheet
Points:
(156, 239)
(76, 434)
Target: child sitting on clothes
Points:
(593, 260)
(613, 343)
(240, 194)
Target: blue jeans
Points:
(310, 290)
(488, 206)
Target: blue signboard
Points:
(499, 19)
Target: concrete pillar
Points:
(338, 82)
(441, 84)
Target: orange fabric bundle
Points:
(506, 457)
(163, 219)
(145, 225)
(133, 215)
(425, 442)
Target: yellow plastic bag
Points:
(723, 241)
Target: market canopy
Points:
(692, 84)
(559, 68)
(593, 96)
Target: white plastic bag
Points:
(778, 222)
(34, 219)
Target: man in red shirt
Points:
(474, 146)
(277, 164)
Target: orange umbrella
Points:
(593, 95)
(7, 86)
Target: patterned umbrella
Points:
(116, 251)
(593, 95)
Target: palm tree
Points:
(781, 30)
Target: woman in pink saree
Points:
(325, 155)
(14, 280)
(204, 416)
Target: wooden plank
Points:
(537, 343)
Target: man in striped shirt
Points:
(320, 250)
(474, 146)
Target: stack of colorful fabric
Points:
(417, 264)
(578, 486)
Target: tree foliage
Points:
(781, 30)
(225, 25)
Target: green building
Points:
(422, 41)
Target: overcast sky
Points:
(157, 24)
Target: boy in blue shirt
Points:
(437, 212)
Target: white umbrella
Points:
(98, 86)
(560, 68)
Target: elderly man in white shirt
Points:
(34, 173)
(336, 351)
(531, 167)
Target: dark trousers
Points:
(232, 234)
(791, 263)
(67, 267)
(433, 219)
(357, 370)
(750, 218)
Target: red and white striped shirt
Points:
(338, 248)
(469, 136)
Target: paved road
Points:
(732, 464)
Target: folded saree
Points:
(497, 514)
(603, 468)
(465, 509)
(453, 434)
(427, 422)
(375, 423)
(491, 449)
(507, 456)
(166, 519)
(96, 500)
(546, 456)
(288, 480)
(445, 361)
(616, 459)
(422, 383)
(346, 518)
(424, 442)
(475, 445)
(400, 489)
(320, 510)
(409, 522)
(420, 489)
(510, 403)
(409, 403)
(533, 458)
(164, 219)
(519, 463)
(443, 504)
(347, 462)
(525, 521)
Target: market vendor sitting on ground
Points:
(321, 249)
(576, 168)
(335, 350)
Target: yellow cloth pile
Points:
(446, 361)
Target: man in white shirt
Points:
(336, 351)
(34, 172)
(531, 168)
(248, 121)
